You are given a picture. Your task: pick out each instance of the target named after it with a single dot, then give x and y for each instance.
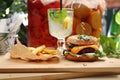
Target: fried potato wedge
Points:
(95, 19)
(81, 11)
(97, 32)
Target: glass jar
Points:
(38, 33)
(87, 16)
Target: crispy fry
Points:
(39, 53)
(39, 49)
(31, 48)
(50, 51)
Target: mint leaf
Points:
(111, 46)
(100, 54)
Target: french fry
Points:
(50, 51)
(39, 49)
(31, 48)
(39, 53)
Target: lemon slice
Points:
(66, 23)
(117, 17)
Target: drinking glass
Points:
(60, 24)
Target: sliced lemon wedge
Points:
(66, 23)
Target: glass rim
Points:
(70, 9)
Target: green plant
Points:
(4, 4)
(110, 45)
(9, 7)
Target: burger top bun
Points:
(82, 40)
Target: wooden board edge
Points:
(54, 76)
(48, 70)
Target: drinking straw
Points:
(60, 4)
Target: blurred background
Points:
(8, 7)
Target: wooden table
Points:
(15, 69)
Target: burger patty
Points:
(86, 50)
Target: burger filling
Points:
(81, 50)
(86, 50)
(71, 45)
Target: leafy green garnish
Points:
(100, 54)
(84, 37)
(111, 46)
(58, 16)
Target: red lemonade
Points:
(38, 33)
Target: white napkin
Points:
(14, 22)
(3, 26)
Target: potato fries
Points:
(20, 51)
(50, 51)
(31, 48)
(42, 50)
(39, 49)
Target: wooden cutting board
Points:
(55, 76)
(15, 65)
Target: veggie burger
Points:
(81, 48)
